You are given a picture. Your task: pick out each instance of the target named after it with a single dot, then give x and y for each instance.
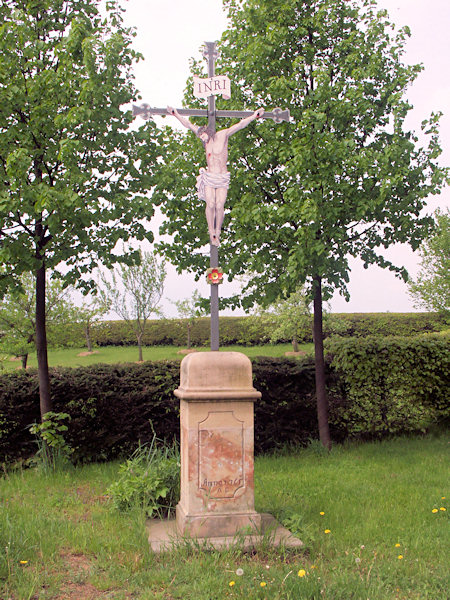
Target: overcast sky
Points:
(170, 33)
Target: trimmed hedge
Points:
(386, 386)
(251, 331)
(377, 388)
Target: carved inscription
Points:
(221, 454)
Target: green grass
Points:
(373, 496)
(70, 357)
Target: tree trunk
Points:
(321, 393)
(41, 343)
(139, 341)
(87, 335)
(189, 336)
(295, 343)
(24, 359)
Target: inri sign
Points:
(212, 86)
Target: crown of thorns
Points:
(206, 129)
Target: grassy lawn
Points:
(70, 357)
(383, 511)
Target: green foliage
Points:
(343, 178)
(18, 316)
(299, 526)
(431, 290)
(66, 72)
(378, 387)
(254, 330)
(390, 385)
(53, 449)
(149, 479)
(288, 318)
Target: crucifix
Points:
(212, 183)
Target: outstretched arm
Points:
(183, 120)
(244, 122)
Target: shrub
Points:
(377, 387)
(149, 479)
(390, 386)
(53, 450)
(255, 330)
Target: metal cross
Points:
(146, 112)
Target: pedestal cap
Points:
(210, 376)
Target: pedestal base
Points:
(217, 525)
(164, 536)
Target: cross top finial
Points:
(210, 50)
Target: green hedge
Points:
(250, 331)
(386, 386)
(377, 388)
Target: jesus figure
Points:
(213, 182)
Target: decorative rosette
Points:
(214, 276)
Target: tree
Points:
(343, 178)
(17, 316)
(72, 174)
(134, 293)
(288, 318)
(89, 313)
(190, 309)
(431, 289)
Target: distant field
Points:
(76, 357)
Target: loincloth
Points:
(212, 180)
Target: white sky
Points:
(169, 33)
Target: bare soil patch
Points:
(88, 353)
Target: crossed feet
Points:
(214, 238)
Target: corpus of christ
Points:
(213, 181)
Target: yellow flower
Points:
(397, 545)
(322, 513)
(313, 567)
(301, 573)
(23, 562)
(231, 583)
(442, 508)
(435, 510)
(327, 531)
(263, 584)
(442, 497)
(400, 556)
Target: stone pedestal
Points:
(216, 506)
(216, 414)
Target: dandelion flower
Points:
(322, 513)
(313, 567)
(397, 545)
(231, 583)
(442, 497)
(327, 531)
(263, 584)
(443, 508)
(239, 572)
(435, 510)
(301, 573)
(400, 556)
(23, 562)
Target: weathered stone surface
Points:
(216, 411)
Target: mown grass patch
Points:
(78, 357)
(383, 532)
